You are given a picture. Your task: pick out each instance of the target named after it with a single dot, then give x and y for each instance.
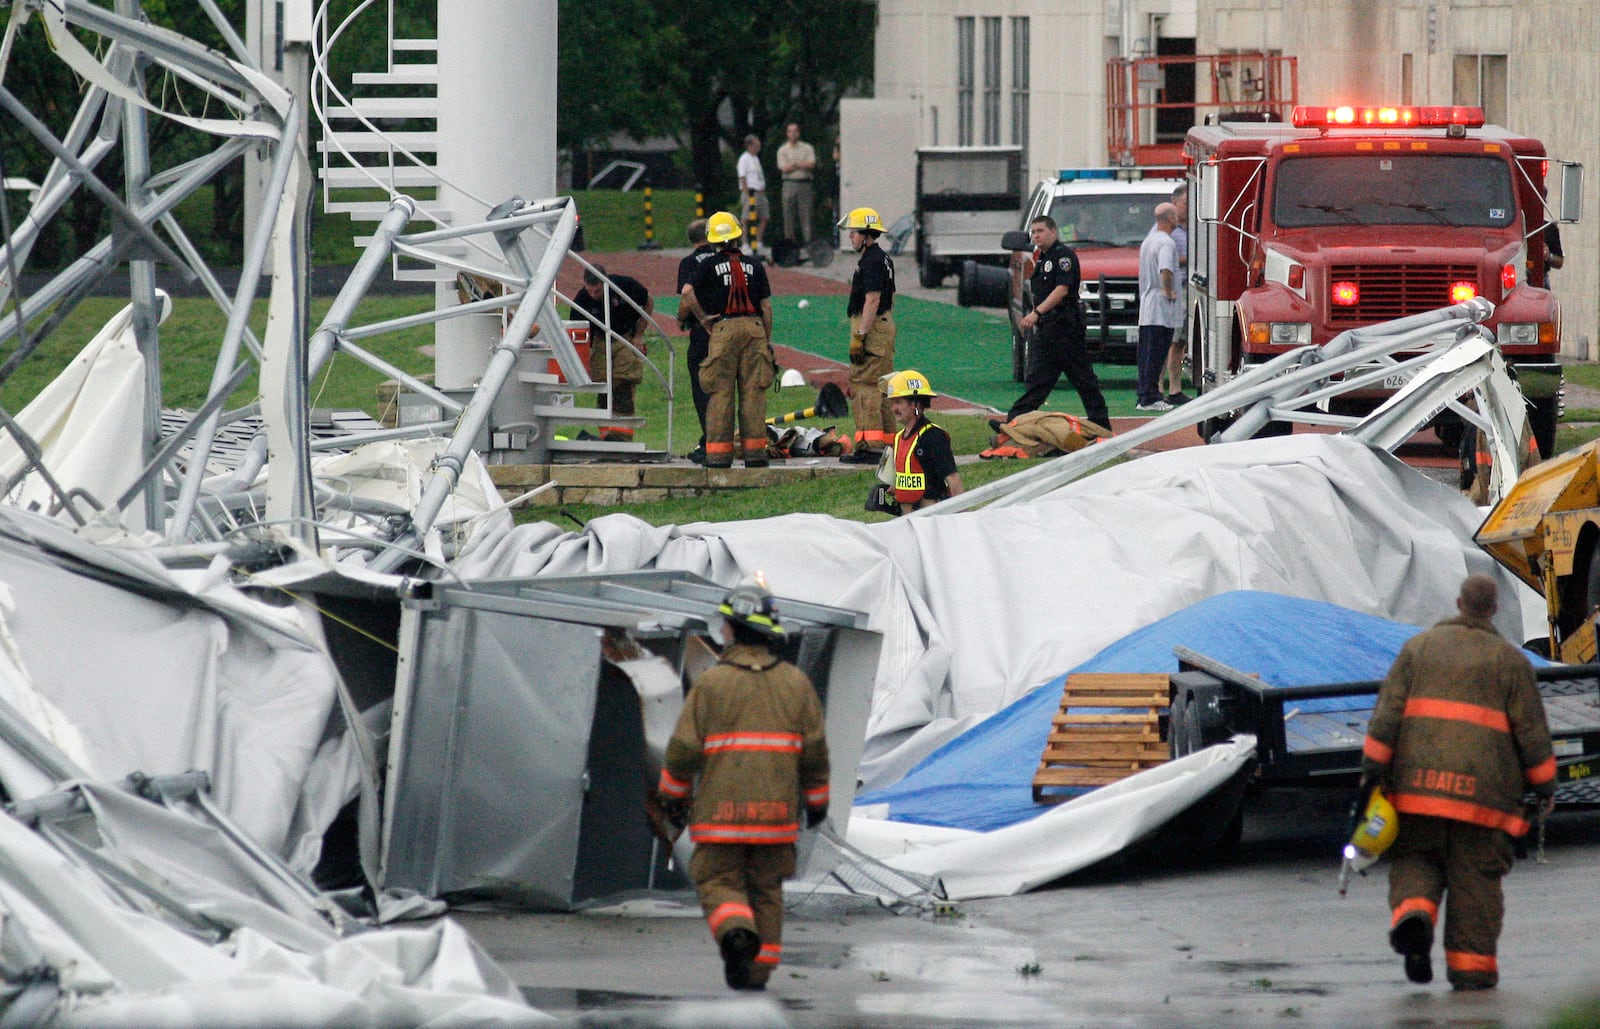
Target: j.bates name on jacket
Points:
(1458, 783)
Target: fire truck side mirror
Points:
(1571, 192)
(1204, 190)
(1016, 240)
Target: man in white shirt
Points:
(1160, 311)
(1172, 386)
(797, 162)
(753, 192)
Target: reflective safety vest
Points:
(910, 482)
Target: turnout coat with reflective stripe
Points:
(1459, 731)
(752, 730)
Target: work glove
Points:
(1358, 810)
(858, 350)
(815, 816)
(676, 809)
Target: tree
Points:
(709, 73)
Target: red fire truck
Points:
(1349, 216)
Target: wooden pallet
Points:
(1109, 727)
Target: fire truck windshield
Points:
(1089, 220)
(1393, 189)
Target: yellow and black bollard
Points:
(649, 221)
(752, 222)
(699, 202)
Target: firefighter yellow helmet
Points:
(863, 218)
(1376, 832)
(909, 383)
(751, 604)
(722, 226)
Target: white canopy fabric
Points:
(86, 422)
(1063, 840)
(151, 671)
(979, 607)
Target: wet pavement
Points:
(1259, 938)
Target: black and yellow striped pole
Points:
(831, 403)
(649, 221)
(752, 222)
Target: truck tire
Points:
(983, 285)
(1580, 591)
(931, 273)
(1019, 354)
(1542, 418)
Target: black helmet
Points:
(752, 605)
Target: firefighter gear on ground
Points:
(752, 731)
(721, 227)
(1458, 732)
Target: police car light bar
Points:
(1386, 117)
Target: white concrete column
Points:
(497, 139)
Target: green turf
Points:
(965, 352)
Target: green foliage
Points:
(677, 67)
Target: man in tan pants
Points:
(729, 295)
(1458, 735)
(752, 731)
(871, 337)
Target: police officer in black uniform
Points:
(699, 338)
(1057, 320)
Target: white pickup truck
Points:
(967, 197)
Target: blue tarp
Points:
(982, 779)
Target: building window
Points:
(965, 45)
(991, 81)
(1406, 76)
(1480, 81)
(1019, 83)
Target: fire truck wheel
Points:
(931, 273)
(1542, 420)
(1019, 354)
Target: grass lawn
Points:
(936, 336)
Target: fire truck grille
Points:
(1395, 290)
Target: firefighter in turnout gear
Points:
(729, 295)
(872, 336)
(752, 732)
(924, 462)
(1458, 734)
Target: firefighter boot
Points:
(739, 949)
(1413, 938)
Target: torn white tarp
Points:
(393, 475)
(977, 608)
(118, 966)
(86, 423)
(1062, 840)
(160, 672)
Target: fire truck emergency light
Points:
(1386, 117)
(1346, 294)
(1461, 292)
